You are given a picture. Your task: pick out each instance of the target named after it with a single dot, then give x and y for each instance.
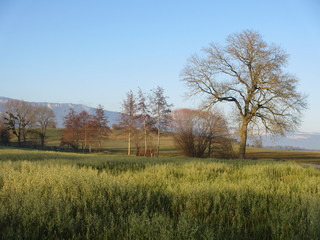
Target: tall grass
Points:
(69, 196)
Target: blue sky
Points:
(93, 52)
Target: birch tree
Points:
(128, 117)
(101, 125)
(250, 74)
(161, 110)
(144, 118)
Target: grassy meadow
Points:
(50, 195)
(116, 144)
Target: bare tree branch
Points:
(249, 73)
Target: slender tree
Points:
(128, 117)
(161, 111)
(144, 118)
(101, 125)
(249, 73)
(44, 118)
(72, 130)
(87, 130)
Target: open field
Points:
(288, 155)
(117, 145)
(117, 142)
(50, 195)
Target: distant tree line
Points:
(29, 123)
(144, 119)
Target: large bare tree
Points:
(250, 74)
(19, 116)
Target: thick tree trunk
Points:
(24, 136)
(243, 140)
(42, 137)
(19, 140)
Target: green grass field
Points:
(50, 195)
(298, 156)
(117, 145)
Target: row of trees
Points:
(85, 131)
(143, 115)
(23, 118)
(196, 133)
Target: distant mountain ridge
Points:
(61, 110)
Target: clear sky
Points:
(93, 52)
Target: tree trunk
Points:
(19, 140)
(42, 140)
(100, 139)
(209, 147)
(145, 139)
(243, 139)
(129, 143)
(24, 136)
(43, 135)
(158, 148)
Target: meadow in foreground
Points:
(47, 195)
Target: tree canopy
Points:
(249, 73)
